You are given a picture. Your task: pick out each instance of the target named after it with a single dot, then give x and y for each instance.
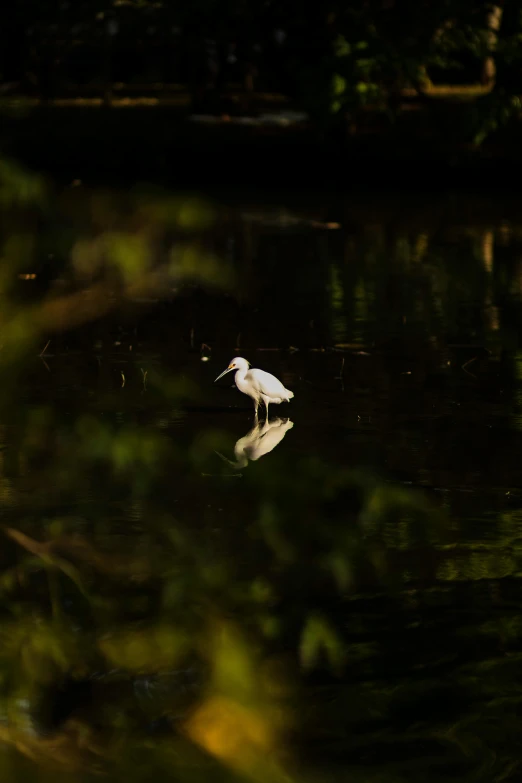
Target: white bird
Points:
(261, 439)
(258, 384)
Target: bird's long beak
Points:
(224, 373)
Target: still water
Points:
(333, 594)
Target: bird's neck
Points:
(240, 375)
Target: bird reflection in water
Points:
(261, 439)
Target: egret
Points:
(258, 384)
(261, 440)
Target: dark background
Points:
(365, 89)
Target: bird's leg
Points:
(256, 406)
(266, 403)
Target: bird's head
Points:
(239, 364)
(236, 364)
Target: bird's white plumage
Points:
(261, 386)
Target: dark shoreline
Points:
(125, 145)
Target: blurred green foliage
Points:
(164, 607)
(144, 248)
(162, 616)
(378, 50)
(19, 187)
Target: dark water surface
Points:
(334, 595)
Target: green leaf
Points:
(341, 47)
(317, 639)
(338, 84)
